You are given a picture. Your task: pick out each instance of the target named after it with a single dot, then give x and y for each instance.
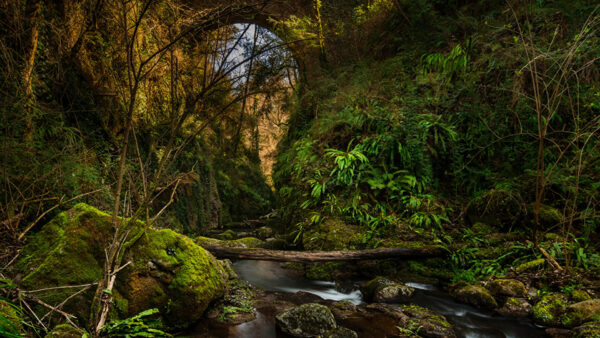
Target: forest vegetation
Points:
(139, 135)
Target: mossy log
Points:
(324, 256)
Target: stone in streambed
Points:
(429, 324)
(515, 307)
(548, 309)
(341, 332)
(475, 295)
(383, 290)
(306, 320)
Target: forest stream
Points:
(467, 320)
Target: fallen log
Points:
(324, 256)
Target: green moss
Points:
(164, 266)
(508, 288)
(474, 294)
(580, 295)
(227, 235)
(251, 242)
(588, 330)
(531, 265)
(548, 309)
(482, 228)
(323, 270)
(578, 313)
(10, 318)
(64, 331)
(332, 234)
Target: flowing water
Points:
(468, 321)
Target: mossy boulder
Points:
(166, 270)
(227, 235)
(306, 320)
(428, 323)
(548, 309)
(64, 331)
(383, 290)
(579, 313)
(515, 307)
(587, 330)
(10, 318)
(332, 234)
(507, 288)
(474, 294)
(482, 228)
(548, 216)
(264, 232)
(580, 295)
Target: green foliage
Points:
(11, 321)
(136, 326)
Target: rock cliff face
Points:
(168, 271)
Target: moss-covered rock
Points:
(497, 207)
(548, 309)
(482, 228)
(264, 232)
(531, 265)
(578, 313)
(332, 234)
(474, 294)
(306, 320)
(382, 290)
(507, 288)
(548, 216)
(580, 295)
(64, 331)
(515, 307)
(10, 318)
(227, 235)
(167, 270)
(587, 330)
(426, 322)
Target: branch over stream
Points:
(324, 256)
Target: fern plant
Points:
(136, 326)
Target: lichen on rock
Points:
(306, 320)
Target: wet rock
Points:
(554, 332)
(587, 330)
(228, 268)
(341, 332)
(507, 288)
(307, 320)
(236, 306)
(475, 295)
(578, 313)
(515, 307)
(383, 290)
(548, 309)
(226, 235)
(428, 323)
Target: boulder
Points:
(515, 307)
(475, 295)
(578, 313)
(507, 288)
(383, 290)
(587, 330)
(429, 324)
(165, 270)
(245, 242)
(548, 309)
(306, 320)
(498, 208)
(580, 295)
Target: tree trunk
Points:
(324, 256)
(32, 12)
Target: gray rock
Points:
(306, 320)
(515, 307)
